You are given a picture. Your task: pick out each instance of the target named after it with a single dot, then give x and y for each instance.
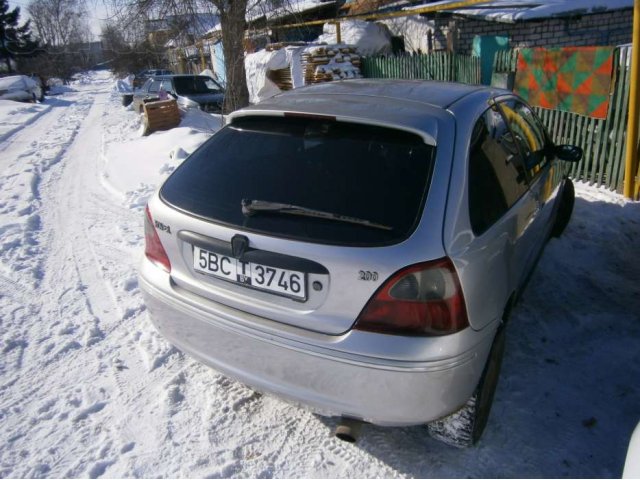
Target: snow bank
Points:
(133, 169)
(369, 38)
(302, 64)
(124, 85)
(57, 87)
(59, 90)
(414, 30)
(257, 66)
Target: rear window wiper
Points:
(252, 207)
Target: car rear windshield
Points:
(194, 85)
(375, 174)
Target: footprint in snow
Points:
(84, 414)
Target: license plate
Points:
(276, 280)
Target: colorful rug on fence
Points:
(573, 79)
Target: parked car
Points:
(140, 78)
(191, 91)
(20, 88)
(357, 247)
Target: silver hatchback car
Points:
(357, 246)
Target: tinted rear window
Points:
(371, 173)
(194, 85)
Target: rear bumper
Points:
(316, 373)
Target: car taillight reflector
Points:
(424, 300)
(153, 248)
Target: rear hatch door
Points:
(299, 220)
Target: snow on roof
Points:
(358, 7)
(510, 11)
(298, 6)
(290, 7)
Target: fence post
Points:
(632, 125)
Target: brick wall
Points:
(599, 29)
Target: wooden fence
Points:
(602, 140)
(442, 66)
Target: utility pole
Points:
(631, 163)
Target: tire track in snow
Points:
(122, 407)
(45, 263)
(25, 161)
(95, 294)
(6, 139)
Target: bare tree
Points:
(232, 15)
(233, 24)
(127, 51)
(62, 29)
(232, 21)
(60, 23)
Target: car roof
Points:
(438, 94)
(417, 105)
(15, 82)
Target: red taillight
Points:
(424, 299)
(153, 248)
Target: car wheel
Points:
(126, 100)
(565, 208)
(464, 428)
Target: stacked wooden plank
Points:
(160, 115)
(281, 77)
(272, 47)
(319, 63)
(325, 63)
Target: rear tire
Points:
(464, 428)
(126, 100)
(565, 209)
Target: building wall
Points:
(599, 29)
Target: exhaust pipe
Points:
(348, 430)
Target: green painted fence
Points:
(602, 140)
(442, 66)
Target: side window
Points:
(155, 86)
(166, 84)
(528, 133)
(497, 177)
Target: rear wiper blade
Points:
(251, 207)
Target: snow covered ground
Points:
(89, 389)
